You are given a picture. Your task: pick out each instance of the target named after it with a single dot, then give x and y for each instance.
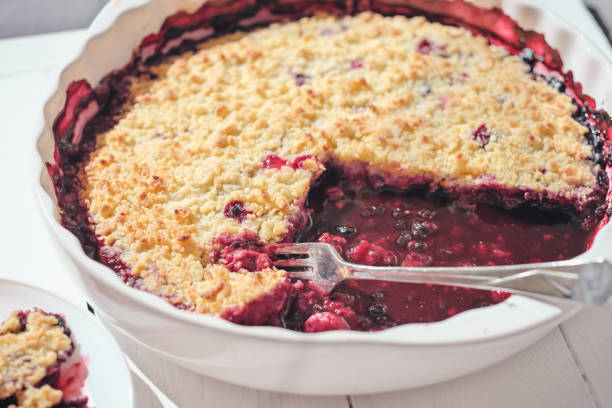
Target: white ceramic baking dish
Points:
(277, 359)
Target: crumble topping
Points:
(28, 349)
(400, 97)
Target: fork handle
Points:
(589, 282)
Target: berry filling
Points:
(244, 251)
(416, 228)
(367, 305)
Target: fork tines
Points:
(293, 256)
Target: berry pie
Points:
(40, 366)
(400, 136)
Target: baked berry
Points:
(403, 238)
(426, 47)
(481, 136)
(377, 296)
(371, 254)
(300, 79)
(422, 229)
(345, 230)
(417, 246)
(356, 64)
(377, 310)
(235, 209)
(273, 161)
(325, 321)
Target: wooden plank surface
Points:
(544, 376)
(589, 337)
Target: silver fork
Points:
(583, 280)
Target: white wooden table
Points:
(571, 367)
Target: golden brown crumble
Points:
(26, 354)
(352, 89)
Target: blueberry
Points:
(377, 310)
(348, 299)
(403, 238)
(345, 230)
(417, 246)
(422, 229)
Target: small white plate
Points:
(109, 378)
